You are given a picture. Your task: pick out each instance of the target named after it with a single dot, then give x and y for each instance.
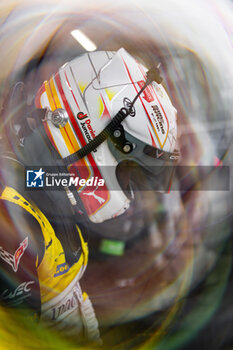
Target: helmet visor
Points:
(132, 177)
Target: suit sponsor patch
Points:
(21, 292)
(61, 269)
(13, 260)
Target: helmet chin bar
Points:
(114, 128)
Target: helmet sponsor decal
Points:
(159, 121)
(13, 260)
(147, 95)
(94, 195)
(94, 198)
(88, 130)
(81, 115)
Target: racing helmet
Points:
(85, 95)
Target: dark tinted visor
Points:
(134, 177)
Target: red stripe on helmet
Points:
(106, 111)
(71, 90)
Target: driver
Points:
(104, 118)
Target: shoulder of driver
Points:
(21, 242)
(30, 250)
(21, 247)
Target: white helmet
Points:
(91, 89)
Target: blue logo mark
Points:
(35, 178)
(61, 269)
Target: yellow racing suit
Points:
(62, 303)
